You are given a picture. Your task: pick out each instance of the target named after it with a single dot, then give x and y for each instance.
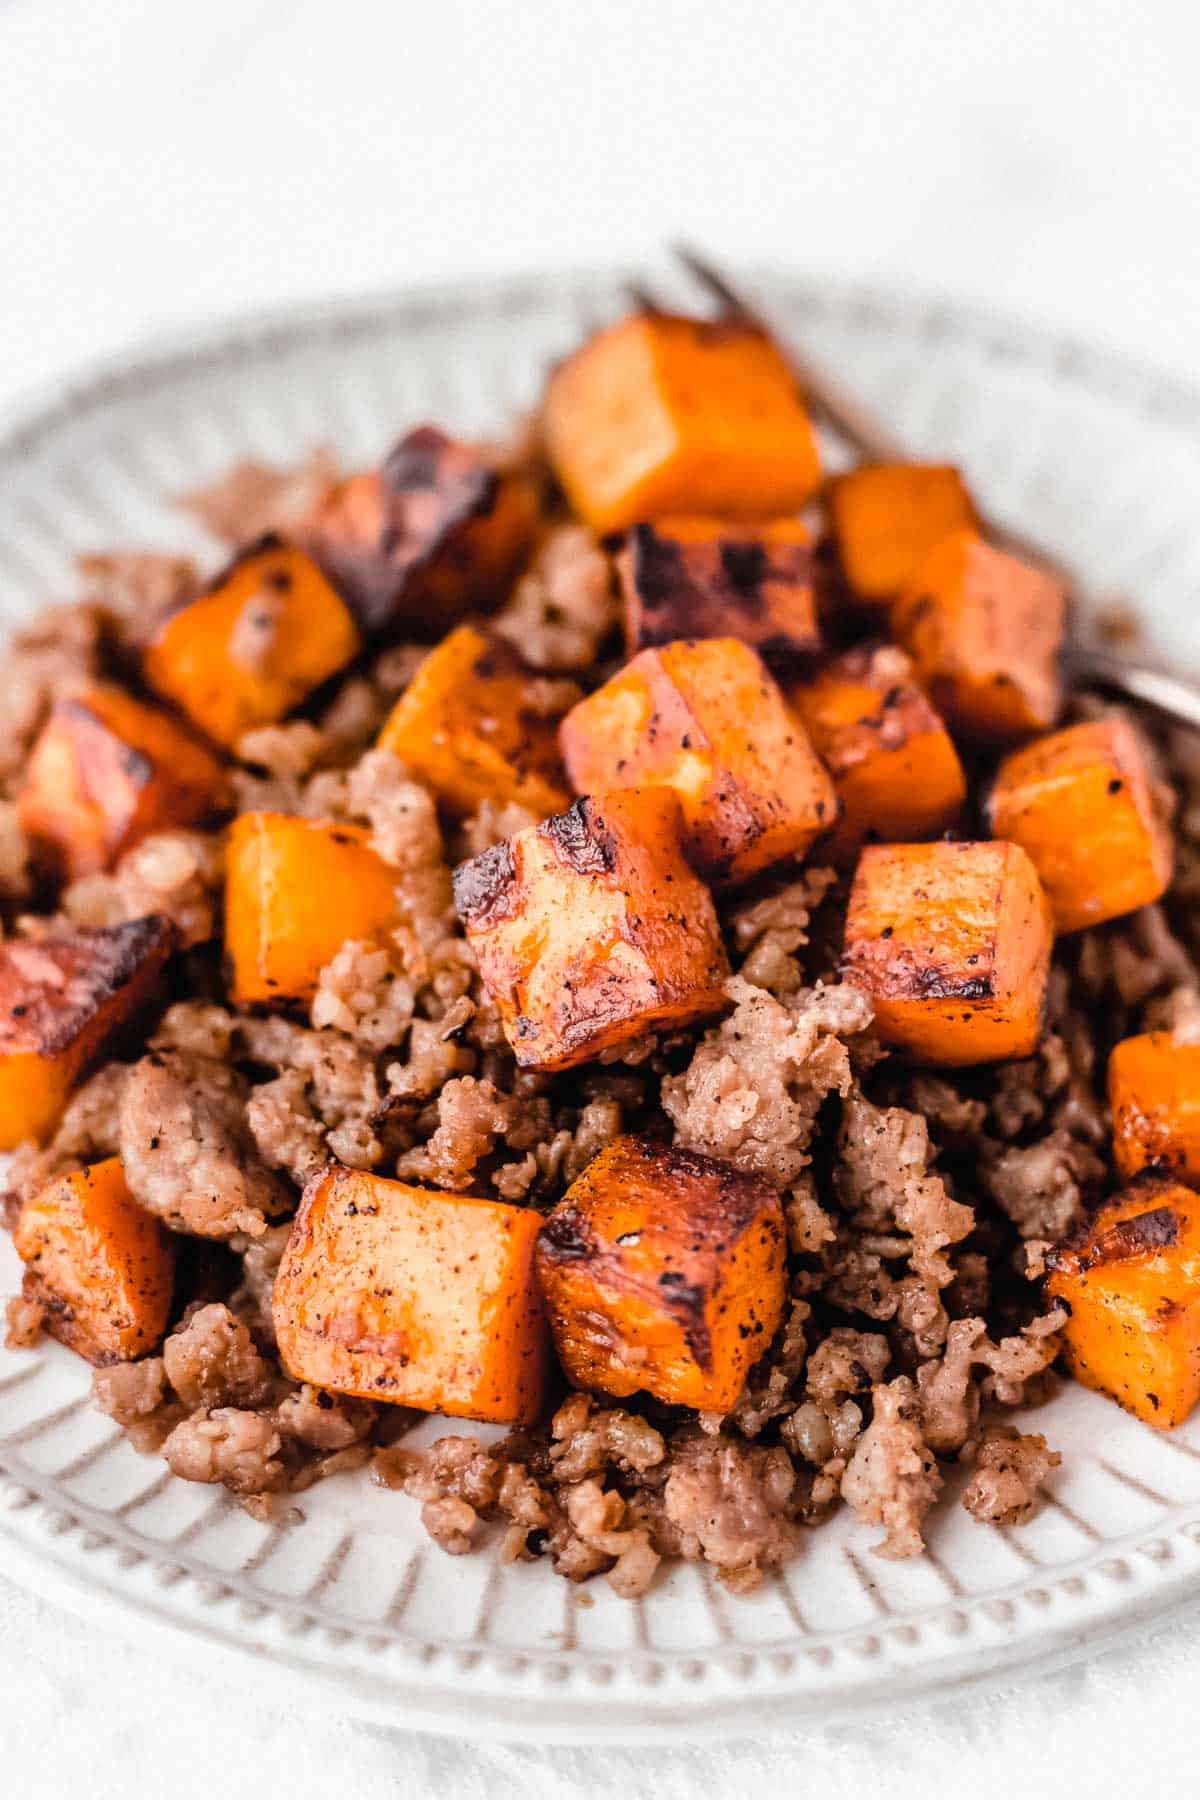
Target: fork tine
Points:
(642, 296)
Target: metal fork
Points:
(841, 411)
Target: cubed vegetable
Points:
(1154, 1093)
(887, 517)
(437, 531)
(952, 942)
(467, 723)
(1131, 1278)
(105, 772)
(1084, 804)
(698, 578)
(61, 1000)
(664, 1273)
(661, 414)
(254, 644)
(102, 1269)
(421, 1299)
(296, 890)
(706, 719)
(984, 631)
(591, 931)
(893, 762)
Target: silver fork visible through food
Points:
(843, 413)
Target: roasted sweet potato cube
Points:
(1154, 1094)
(699, 578)
(1131, 1278)
(437, 531)
(893, 762)
(664, 1273)
(952, 942)
(61, 999)
(706, 719)
(887, 517)
(421, 1299)
(984, 631)
(105, 772)
(254, 644)
(1085, 806)
(470, 724)
(296, 890)
(661, 414)
(101, 1267)
(591, 930)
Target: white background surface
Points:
(163, 161)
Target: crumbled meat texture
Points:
(187, 1154)
(254, 498)
(893, 1479)
(23, 1320)
(211, 1360)
(920, 1204)
(1011, 1469)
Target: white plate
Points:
(354, 1602)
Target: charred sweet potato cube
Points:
(705, 718)
(664, 1273)
(952, 942)
(437, 531)
(105, 772)
(1131, 1278)
(698, 578)
(61, 999)
(418, 1298)
(296, 890)
(468, 724)
(887, 517)
(1154, 1094)
(984, 631)
(101, 1267)
(254, 644)
(661, 414)
(591, 930)
(1084, 804)
(893, 762)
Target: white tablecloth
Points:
(162, 161)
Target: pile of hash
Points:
(618, 937)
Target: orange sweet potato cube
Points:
(984, 631)
(418, 1298)
(105, 772)
(887, 517)
(296, 890)
(591, 930)
(1154, 1094)
(952, 942)
(254, 644)
(1131, 1278)
(467, 725)
(706, 719)
(61, 999)
(661, 414)
(698, 578)
(893, 762)
(1084, 804)
(438, 530)
(101, 1267)
(664, 1273)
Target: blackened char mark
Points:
(745, 566)
(582, 839)
(483, 887)
(656, 565)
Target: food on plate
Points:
(99, 1267)
(704, 717)
(1085, 806)
(599, 935)
(985, 631)
(422, 1299)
